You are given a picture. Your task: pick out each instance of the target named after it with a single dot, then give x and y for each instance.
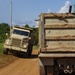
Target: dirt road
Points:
(22, 66)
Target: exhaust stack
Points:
(70, 9)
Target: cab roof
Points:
(23, 28)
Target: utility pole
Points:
(74, 8)
(10, 16)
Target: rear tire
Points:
(25, 55)
(29, 51)
(5, 51)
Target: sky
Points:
(26, 11)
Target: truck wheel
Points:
(5, 51)
(29, 51)
(25, 55)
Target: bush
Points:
(4, 28)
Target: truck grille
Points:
(16, 42)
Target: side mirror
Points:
(7, 35)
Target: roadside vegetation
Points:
(35, 47)
(1, 48)
(4, 28)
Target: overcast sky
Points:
(26, 11)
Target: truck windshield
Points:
(19, 32)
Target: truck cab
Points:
(20, 40)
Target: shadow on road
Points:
(24, 55)
(33, 56)
(28, 57)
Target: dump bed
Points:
(57, 32)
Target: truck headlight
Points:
(25, 46)
(8, 42)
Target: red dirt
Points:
(22, 66)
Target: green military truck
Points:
(20, 40)
(57, 43)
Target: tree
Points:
(27, 26)
(4, 28)
(36, 36)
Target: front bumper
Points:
(15, 48)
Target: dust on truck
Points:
(57, 43)
(21, 41)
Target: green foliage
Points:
(36, 36)
(35, 47)
(1, 48)
(27, 26)
(4, 28)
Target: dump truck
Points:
(57, 43)
(20, 41)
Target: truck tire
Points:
(29, 51)
(5, 51)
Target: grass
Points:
(1, 48)
(35, 47)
